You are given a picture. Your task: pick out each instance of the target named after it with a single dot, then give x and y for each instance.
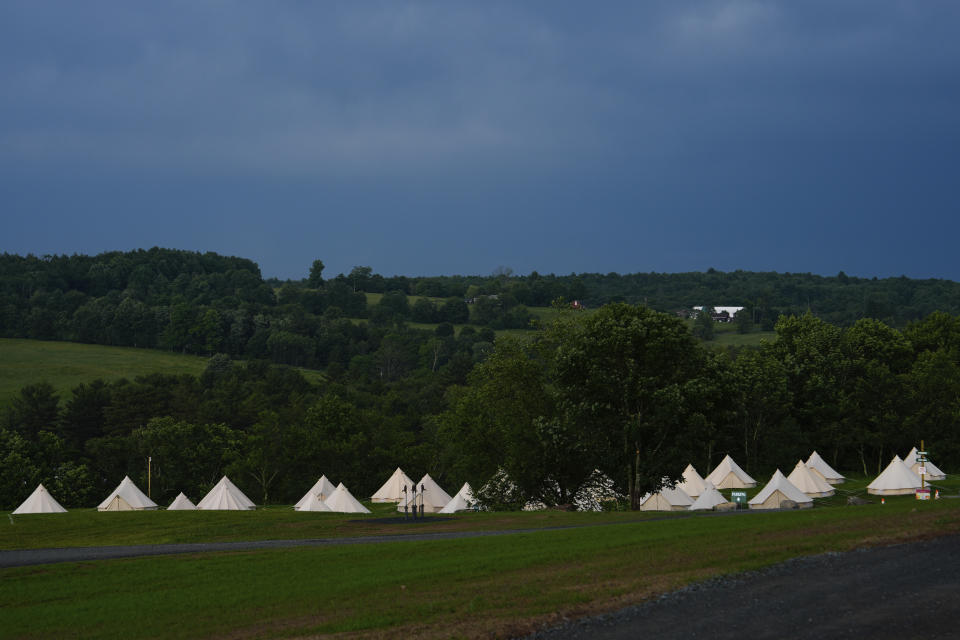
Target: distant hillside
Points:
(65, 364)
(204, 303)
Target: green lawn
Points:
(67, 364)
(88, 527)
(477, 587)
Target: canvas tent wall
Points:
(182, 503)
(40, 501)
(826, 472)
(131, 498)
(709, 498)
(666, 500)
(342, 501)
(777, 491)
(429, 494)
(392, 489)
(225, 496)
(463, 501)
(116, 503)
(322, 488)
(810, 482)
(932, 471)
(729, 475)
(312, 502)
(896, 480)
(692, 484)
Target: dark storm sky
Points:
(447, 137)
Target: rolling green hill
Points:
(67, 364)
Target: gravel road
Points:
(900, 592)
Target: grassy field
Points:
(88, 527)
(477, 587)
(67, 364)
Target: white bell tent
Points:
(827, 472)
(809, 481)
(777, 491)
(932, 471)
(312, 502)
(225, 496)
(182, 503)
(392, 489)
(127, 497)
(429, 494)
(40, 501)
(666, 500)
(896, 480)
(729, 475)
(322, 488)
(342, 501)
(692, 484)
(463, 501)
(708, 499)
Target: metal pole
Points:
(923, 465)
(149, 461)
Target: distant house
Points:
(576, 304)
(721, 314)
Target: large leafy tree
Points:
(623, 375)
(762, 399)
(186, 456)
(498, 421)
(878, 358)
(818, 379)
(315, 280)
(35, 408)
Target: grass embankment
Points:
(67, 364)
(470, 587)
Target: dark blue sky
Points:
(454, 137)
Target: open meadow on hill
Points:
(68, 364)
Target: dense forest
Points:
(625, 389)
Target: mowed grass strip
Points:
(473, 587)
(88, 527)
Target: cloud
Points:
(567, 122)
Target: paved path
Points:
(900, 592)
(27, 557)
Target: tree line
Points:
(626, 390)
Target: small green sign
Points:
(740, 497)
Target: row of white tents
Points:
(811, 479)
(902, 477)
(399, 488)
(322, 496)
